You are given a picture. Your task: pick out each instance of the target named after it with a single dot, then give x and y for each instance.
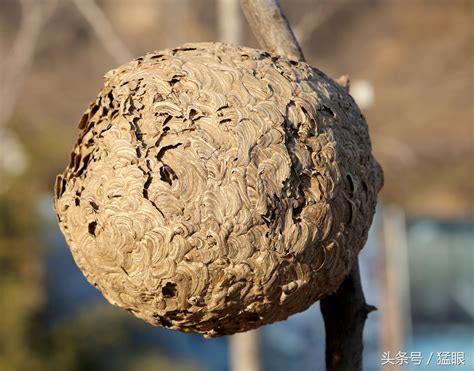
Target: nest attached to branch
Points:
(216, 188)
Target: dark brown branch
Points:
(271, 28)
(344, 315)
(345, 311)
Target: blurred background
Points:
(411, 68)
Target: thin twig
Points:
(104, 30)
(34, 14)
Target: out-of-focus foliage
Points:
(20, 283)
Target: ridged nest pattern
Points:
(216, 188)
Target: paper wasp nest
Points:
(216, 188)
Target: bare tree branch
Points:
(104, 30)
(344, 315)
(271, 28)
(16, 66)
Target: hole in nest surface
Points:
(94, 109)
(169, 290)
(60, 186)
(94, 205)
(166, 120)
(165, 322)
(91, 227)
(297, 212)
(350, 182)
(162, 150)
(80, 169)
(349, 213)
(175, 315)
(146, 186)
(364, 187)
(252, 317)
(326, 111)
(192, 113)
(167, 174)
(174, 81)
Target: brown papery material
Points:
(216, 188)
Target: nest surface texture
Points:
(216, 188)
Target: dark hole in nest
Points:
(349, 213)
(162, 150)
(110, 95)
(175, 315)
(166, 120)
(94, 205)
(80, 169)
(167, 174)
(169, 290)
(364, 187)
(252, 317)
(297, 212)
(94, 109)
(146, 186)
(220, 331)
(136, 129)
(91, 227)
(174, 81)
(83, 122)
(192, 113)
(350, 182)
(60, 186)
(292, 131)
(326, 111)
(269, 217)
(165, 322)
(156, 56)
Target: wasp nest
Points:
(216, 188)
